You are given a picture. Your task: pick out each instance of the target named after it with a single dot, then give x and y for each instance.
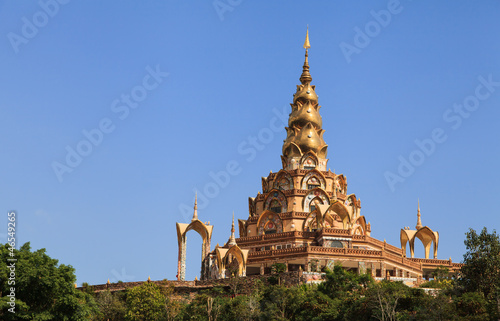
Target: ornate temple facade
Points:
(305, 217)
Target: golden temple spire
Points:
(307, 45)
(306, 78)
(304, 131)
(195, 214)
(232, 239)
(419, 220)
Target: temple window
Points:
(337, 244)
(270, 224)
(275, 206)
(313, 183)
(309, 164)
(284, 184)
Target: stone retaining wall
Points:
(243, 284)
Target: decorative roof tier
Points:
(304, 132)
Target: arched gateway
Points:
(205, 232)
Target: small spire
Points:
(76, 285)
(195, 214)
(419, 220)
(307, 45)
(108, 282)
(232, 239)
(306, 78)
(149, 278)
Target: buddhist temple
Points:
(305, 217)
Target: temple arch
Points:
(240, 256)
(427, 237)
(205, 231)
(407, 237)
(276, 201)
(311, 222)
(359, 226)
(315, 194)
(309, 160)
(342, 212)
(221, 254)
(340, 184)
(283, 181)
(269, 223)
(308, 180)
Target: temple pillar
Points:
(181, 260)
(361, 267)
(262, 269)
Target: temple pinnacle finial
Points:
(232, 239)
(306, 78)
(195, 213)
(307, 45)
(419, 220)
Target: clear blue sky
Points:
(384, 79)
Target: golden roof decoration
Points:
(304, 131)
(419, 220)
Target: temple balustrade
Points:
(359, 254)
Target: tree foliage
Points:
(44, 289)
(146, 303)
(481, 272)
(111, 306)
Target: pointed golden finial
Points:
(232, 239)
(149, 278)
(196, 278)
(108, 282)
(306, 78)
(76, 286)
(195, 214)
(307, 45)
(419, 220)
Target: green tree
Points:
(472, 306)
(146, 303)
(44, 289)
(277, 269)
(340, 282)
(242, 307)
(310, 304)
(481, 272)
(438, 307)
(385, 298)
(207, 305)
(276, 302)
(111, 306)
